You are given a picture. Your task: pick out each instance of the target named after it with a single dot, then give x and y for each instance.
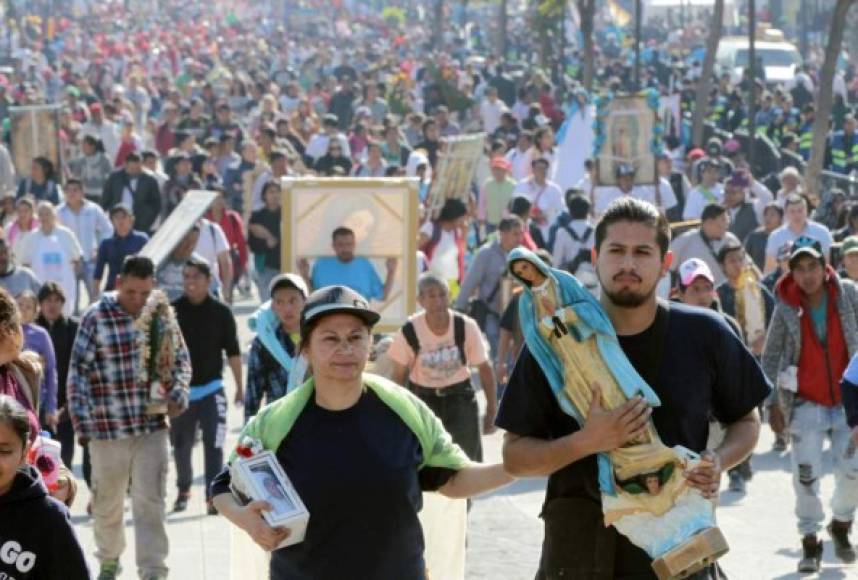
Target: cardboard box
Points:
(261, 478)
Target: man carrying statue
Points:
(612, 400)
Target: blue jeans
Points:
(86, 274)
(810, 426)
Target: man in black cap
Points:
(813, 335)
(318, 145)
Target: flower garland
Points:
(603, 106)
(248, 447)
(158, 338)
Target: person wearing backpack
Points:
(432, 355)
(573, 241)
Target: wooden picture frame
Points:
(180, 221)
(35, 132)
(383, 214)
(629, 128)
(455, 169)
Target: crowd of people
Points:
(154, 103)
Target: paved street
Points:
(504, 532)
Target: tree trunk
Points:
(704, 84)
(438, 32)
(824, 95)
(503, 38)
(587, 10)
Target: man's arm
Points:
(489, 384)
(235, 367)
(224, 261)
(472, 280)
(603, 431)
(400, 374)
(740, 438)
(79, 396)
(389, 277)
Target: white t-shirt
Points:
(51, 258)
(445, 257)
(812, 229)
(520, 161)
(699, 198)
(548, 198)
(606, 194)
(211, 243)
(490, 113)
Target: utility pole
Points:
(752, 86)
(638, 16)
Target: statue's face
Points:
(528, 272)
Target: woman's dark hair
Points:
(269, 185)
(520, 206)
(138, 267)
(13, 414)
(453, 209)
(577, 204)
(630, 209)
(50, 289)
(47, 167)
(310, 328)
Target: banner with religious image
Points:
(627, 132)
(381, 212)
(454, 172)
(35, 132)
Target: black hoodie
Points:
(37, 540)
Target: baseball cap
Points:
(739, 179)
(692, 269)
(696, 153)
(850, 245)
(805, 246)
(288, 280)
(336, 300)
(732, 146)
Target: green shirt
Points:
(819, 315)
(497, 195)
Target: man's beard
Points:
(627, 298)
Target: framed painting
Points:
(35, 132)
(192, 207)
(626, 133)
(454, 172)
(382, 214)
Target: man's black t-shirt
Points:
(704, 371)
(209, 330)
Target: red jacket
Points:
(820, 365)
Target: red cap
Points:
(501, 163)
(95, 108)
(696, 153)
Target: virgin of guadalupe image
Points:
(644, 493)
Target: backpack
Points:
(581, 266)
(410, 335)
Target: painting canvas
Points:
(35, 132)
(178, 223)
(383, 215)
(455, 169)
(628, 133)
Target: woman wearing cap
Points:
(359, 450)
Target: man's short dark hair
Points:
(577, 204)
(276, 155)
(50, 289)
(520, 206)
(133, 157)
(74, 181)
(149, 154)
(138, 267)
(630, 209)
(712, 211)
(508, 223)
(200, 264)
(342, 231)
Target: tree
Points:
(704, 83)
(824, 96)
(587, 11)
(438, 23)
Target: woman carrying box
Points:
(359, 451)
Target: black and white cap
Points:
(336, 300)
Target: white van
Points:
(780, 59)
